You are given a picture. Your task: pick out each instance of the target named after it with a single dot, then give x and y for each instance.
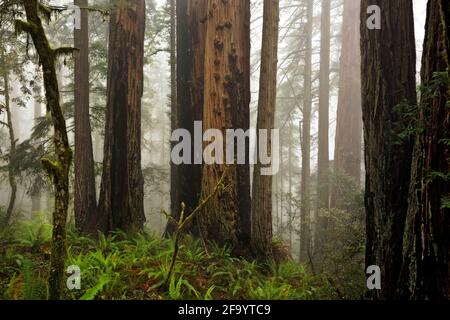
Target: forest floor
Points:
(121, 266)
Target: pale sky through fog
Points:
(420, 11)
(419, 16)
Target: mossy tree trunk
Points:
(261, 239)
(426, 266)
(59, 166)
(388, 87)
(121, 204)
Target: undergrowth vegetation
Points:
(124, 266)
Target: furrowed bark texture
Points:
(388, 83)
(426, 268)
(121, 204)
(191, 36)
(226, 219)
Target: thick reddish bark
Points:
(226, 218)
(121, 204)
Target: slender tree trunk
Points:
(388, 85)
(281, 173)
(36, 194)
(290, 173)
(426, 265)
(238, 90)
(121, 204)
(226, 106)
(323, 193)
(305, 226)
(58, 168)
(262, 185)
(174, 178)
(84, 186)
(348, 142)
(12, 147)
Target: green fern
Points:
(92, 293)
(445, 203)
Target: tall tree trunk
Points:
(290, 173)
(59, 167)
(388, 85)
(262, 185)
(348, 142)
(121, 204)
(36, 193)
(426, 267)
(239, 93)
(226, 106)
(323, 193)
(305, 226)
(191, 35)
(174, 121)
(84, 186)
(12, 146)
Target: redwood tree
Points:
(388, 89)
(84, 186)
(262, 184)
(226, 218)
(426, 267)
(305, 227)
(121, 204)
(348, 142)
(191, 34)
(323, 192)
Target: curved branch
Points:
(22, 26)
(4, 123)
(64, 51)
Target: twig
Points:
(184, 222)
